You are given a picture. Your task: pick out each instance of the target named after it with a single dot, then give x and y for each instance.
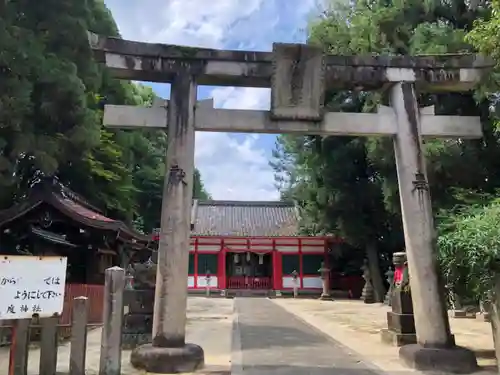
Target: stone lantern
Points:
(295, 280)
(325, 281)
(368, 294)
(208, 279)
(129, 278)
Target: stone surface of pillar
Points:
(111, 335)
(435, 349)
(169, 353)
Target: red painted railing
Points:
(247, 282)
(95, 294)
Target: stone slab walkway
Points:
(357, 326)
(274, 341)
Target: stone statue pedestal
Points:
(461, 314)
(400, 321)
(138, 321)
(139, 300)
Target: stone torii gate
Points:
(298, 76)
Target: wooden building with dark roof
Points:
(252, 245)
(53, 220)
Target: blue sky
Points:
(232, 166)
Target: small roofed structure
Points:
(53, 220)
(253, 246)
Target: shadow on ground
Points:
(269, 336)
(284, 369)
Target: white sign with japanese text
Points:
(31, 285)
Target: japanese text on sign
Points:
(31, 285)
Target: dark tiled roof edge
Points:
(246, 203)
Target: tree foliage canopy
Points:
(51, 107)
(348, 186)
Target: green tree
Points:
(342, 182)
(46, 84)
(469, 249)
(468, 246)
(51, 107)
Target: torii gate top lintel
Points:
(160, 62)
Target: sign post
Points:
(30, 286)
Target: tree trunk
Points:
(376, 275)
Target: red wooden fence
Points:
(95, 294)
(246, 282)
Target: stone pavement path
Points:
(357, 326)
(274, 341)
(209, 325)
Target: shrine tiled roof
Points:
(240, 218)
(52, 237)
(82, 210)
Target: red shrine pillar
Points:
(277, 269)
(221, 275)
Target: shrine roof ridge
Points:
(245, 218)
(171, 51)
(245, 203)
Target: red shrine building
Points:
(252, 246)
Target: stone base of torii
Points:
(298, 76)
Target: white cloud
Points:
(231, 167)
(189, 22)
(204, 25)
(234, 169)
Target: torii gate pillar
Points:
(169, 353)
(435, 346)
